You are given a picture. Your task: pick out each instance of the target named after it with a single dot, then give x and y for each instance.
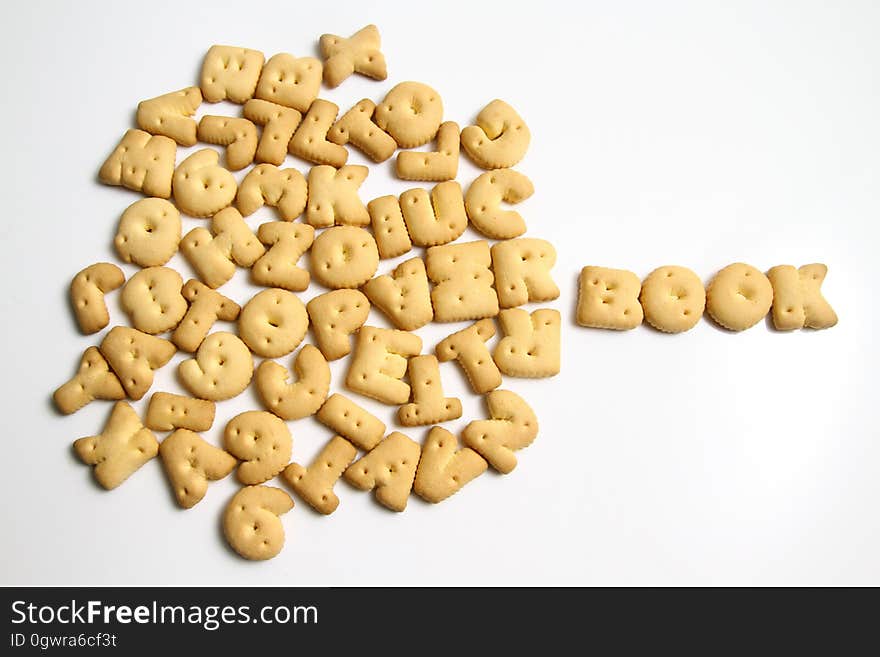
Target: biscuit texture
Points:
(265, 184)
(438, 165)
(290, 81)
(428, 405)
(608, 299)
(357, 128)
(287, 243)
(278, 122)
(273, 323)
(191, 463)
(93, 380)
(344, 257)
(206, 306)
(462, 281)
(522, 271)
(153, 301)
(300, 397)
(512, 425)
(483, 203)
(238, 135)
(531, 343)
(411, 113)
(168, 412)
(380, 362)
(389, 229)
(673, 299)
(230, 73)
(739, 297)
(437, 220)
(87, 290)
(201, 186)
(468, 348)
(251, 523)
(148, 232)
(500, 138)
(349, 420)
(170, 115)
(133, 356)
(262, 443)
(444, 468)
(404, 295)
(315, 483)
(141, 162)
(334, 316)
(222, 368)
(310, 139)
(333, 197)
(797, 298)
(389, 469)
(357, 54)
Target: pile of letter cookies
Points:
(346, 239)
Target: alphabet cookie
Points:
(428, 406)
(214, 254)
(273, 323)
(191, 463)
(389, 230)
(797, 298)
(261, 442)
(148, 232)
(230, 73)
(315, 483)
(141, 162)
(443, 468)
(251, 524)
(287, 243)
(278, 122)
(333, 197)
(87, 292)
(93, 380)
(404, 295)
(222, 368)
(609, 298)
(437, 220)
(380, 362)
(511, 426)
(133, 356)
(389, 468)
(483, 203)
(356, 127)
(357, 54)
(344, 257)
(522, 271)
(265, 184)
(530, 346)
(238, 135)
(463, 281)
(739, 297)
(438, 165)
(153, 301)
(468, 347)
(499, 140)
(310, 139)
(171, 114)
(290, 81)
(201, 186)
(292, 400)
(334, 316)
(168, 412)
(206, 306)
(411, 113)
(120, 450)
(673, 299)
(351, 421)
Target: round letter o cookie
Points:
(739, 297)
(673, 299)
(344, 257)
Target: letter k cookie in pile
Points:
(203, 174)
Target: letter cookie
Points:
(87, 292)
(290, 81)
(93, 380)
(468, 347)
(310, 139)
(190, 463)
(304, 396)
(499, 140)
(333, 197)
(334, 316)
(279, 123)
(230, 73)
(484, 198)
(380, 361)
(609, 299)
(315, 483)
(357, 54)
(351, 421)
(277, 267)
(261, 441)
(404, 296)
(170, 115)
(214, 256)
(522, 271)
(283, 189)
(512, 426)
(202, 187)
(356, 127)
(133, 356)
(168, 412)
(273, 323)
(443, 468)
(797, 298)
(411, 113)
(238, 135)
(441, 164)
(389, 468)
(739, 297)
(206, 306)
(530, 347)
(148, 233)
(141, 162)
(344, 257)
(673, 299)
(463, 282)
(429, 406)
(153, 301)
(222, 368)
(251, 524)
(438, 220)
(389, 229)
(118, 451)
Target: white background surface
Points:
(696, 134)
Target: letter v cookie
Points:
(511, 427)
(389, 468)
(298, 399)
(404, 295)
(191, 463)
(315, 483)
(443, 468)
(530, 347)
(120, 449)
(133, 356)
(93, 380)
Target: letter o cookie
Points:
(739, 297)
(411, 113)
(148, 233)
(344, 257)
(673, 299)
(251, 524)
(273, 323)
(222, 368)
